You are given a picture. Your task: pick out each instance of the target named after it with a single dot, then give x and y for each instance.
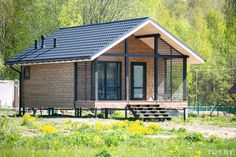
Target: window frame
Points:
(119, 88)
(25, 71)
(144, 88)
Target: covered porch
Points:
(133, 72)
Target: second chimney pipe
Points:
(35, 44)
(43, 38)
(54, 42)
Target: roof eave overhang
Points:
(50, 61)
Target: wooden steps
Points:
(149, 112)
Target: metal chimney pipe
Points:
(55, 42)
(35, 44)
(43, 40)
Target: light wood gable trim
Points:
(170, 36)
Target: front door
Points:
(138, 81)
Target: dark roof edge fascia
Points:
(49, 60)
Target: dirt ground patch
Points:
(206, 129)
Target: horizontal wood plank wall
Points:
(84, 81)
(50, 85)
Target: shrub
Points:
(183, 130)
(104, 153)
(233, 119)
(100, 115)
(192, 114)
(194, 137)
(118, 114)
(214, 139)
(4, 124)
(9, 140)
(48, 129)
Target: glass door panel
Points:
(138, 81)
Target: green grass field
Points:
(40, 137)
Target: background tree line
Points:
(207, 26)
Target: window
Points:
(109, 80)
(27, 73)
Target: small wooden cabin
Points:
(232, 91)
(106, 65)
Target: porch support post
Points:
(184, 78)
(156, 67)
(96, 78)
(20, 91)
(75, 86)
(171, 75)
(165, 79)
(126, 70)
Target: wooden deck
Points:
(121, 104)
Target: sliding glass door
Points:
(109, 80)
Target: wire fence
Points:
(224, 109)
(209, 87)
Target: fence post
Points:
(185, 114)
(198, 107)
(126, 113)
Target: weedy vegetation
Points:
(32, 136)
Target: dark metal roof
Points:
(77, 43)
(81, 42)
(233, 90)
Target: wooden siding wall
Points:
(136, 46)
(84, 80)
(50, 85)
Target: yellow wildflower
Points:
(100, 126)
(55, 143)
(28, 117)
(97, 139)
(176, 148)
(197, 154)
(139, 122)
(48, 129)
(154, 127)
(121, 124)
(135, 128)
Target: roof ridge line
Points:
(147, 17)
